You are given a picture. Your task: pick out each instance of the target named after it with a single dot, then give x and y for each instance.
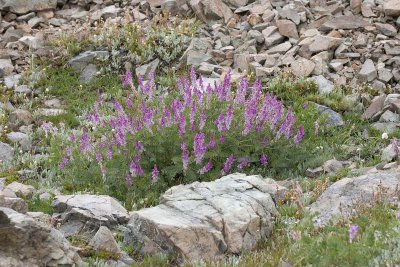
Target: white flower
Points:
(385, 136)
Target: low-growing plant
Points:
(144, 144)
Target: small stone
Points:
(386, 29)
(21, 190)
(391, 8)
(388, 154)
(368, 71)
(103, 241)
(375, 107)
(324, 85)
(389, 116)
(332, 166)
(287, 28)
(302, 67)
(385, 75)
(22, 139)
(314, 173)
(333, 119)
(20, 117)
(6, 67)
(6, 153)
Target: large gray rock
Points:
(26, 242)
(344, 197)
(203, 221)
(84, 214)
(26, 6)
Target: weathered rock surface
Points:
(21, 190)
(204, 221)
(344, 197)
(26, 242)
(84, 214)
(26, 6)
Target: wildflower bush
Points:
(143, 143)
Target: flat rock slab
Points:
(202, 221)
(342, 199)
(27, 242)
(84, 214)
(24, 6)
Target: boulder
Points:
(342, 199)
(84, 214)
(26, 6)
(204, 221)
(27, 242)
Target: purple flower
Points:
(192, 116)
(228, 165)
(241, 91)
(109, 153)
(182, 125)
(286, 128)
(243, 163)
(64, 162)
(185, 156)
(127, 79)
(221, 139)
(206, 168)
(129, 102)
(128, 180)
(220, 123)
(139, 147)
(154, 174)
(264, 160)
(199, 147)
(229, 118)
(203, 118)
(134, 167)
(72, 138)
(353, 230)
(300, 134)
(211, 144)
(68, 149)
(85, 145)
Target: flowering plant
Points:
(201, 132)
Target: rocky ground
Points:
(348, 50)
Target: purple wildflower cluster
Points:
(205, 119)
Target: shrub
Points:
(155, 142)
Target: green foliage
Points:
(42, 205)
